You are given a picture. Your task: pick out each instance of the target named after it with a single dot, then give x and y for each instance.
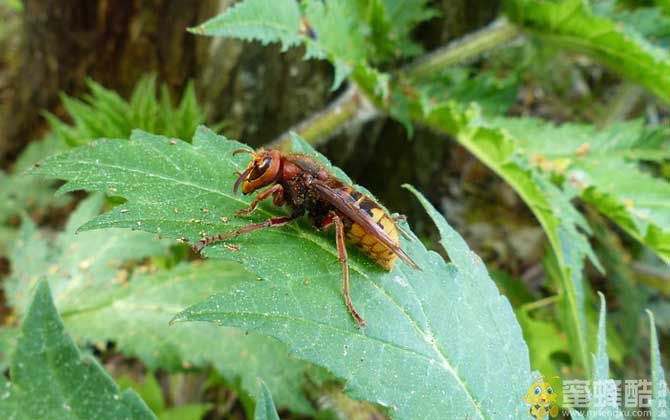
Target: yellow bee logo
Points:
(542, 399)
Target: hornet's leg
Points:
(342, 255)
(274, 222)
(278, 192)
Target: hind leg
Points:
(342, 256)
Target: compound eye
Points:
(259, 170)
(550, 391)
(537, 390)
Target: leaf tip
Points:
(198, 30)
(180, 317)
(650, 315)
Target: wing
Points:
(355, 214)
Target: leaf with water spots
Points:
(100, 300)
(440, 342)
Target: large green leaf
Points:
(50, 379)
(571, 24)
(560, 220)
(100, 303)
(137, 320)
(434, 336)
(601, 165)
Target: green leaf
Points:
(560, 220)
(571, 24)
(601, 372)
(334, 32)
(52, 380)
(186, 412)
(622, 282)
(493, 94)
(100, 301)
(403, 16)
(388, 26)
(416, 354)
(600, 406)
(103, 113)
(265, 407)
(85, 270)
(152, 393)
(259, 20)
(650, 22)
(544, 339)
(601, 165)
(660, 398)
(137, 320)
(149, 390)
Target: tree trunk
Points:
(113, 42)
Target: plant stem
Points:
(463, 49)
(354, 107)
(349, 107)
(541, 303)
(626, 98)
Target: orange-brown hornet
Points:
(307, 187)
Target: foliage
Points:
(571, 24)
(20, 193)
(603, 165)
(102, 300)
(651, 22)
(418, 345)
(600, 404)
(349, 33)
(560, 220)
(150, 391)
(419, 357)
(265, 407)
(102, 113)
(659, 384)
(45, 355)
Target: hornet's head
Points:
(263, 170)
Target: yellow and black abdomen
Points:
(366, 241)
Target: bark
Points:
(113, 42)
(259, 92)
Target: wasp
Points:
(307, 187)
